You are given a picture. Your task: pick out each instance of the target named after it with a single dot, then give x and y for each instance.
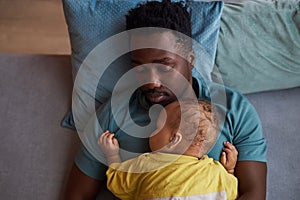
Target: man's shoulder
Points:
(230, 103)
(219, 94)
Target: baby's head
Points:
(194, 135)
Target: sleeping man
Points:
(241, 126)
(190, 129)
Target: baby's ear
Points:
(175, 140)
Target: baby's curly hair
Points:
(198, 116)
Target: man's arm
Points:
(81, 186)
(251, 168)
(251, 179)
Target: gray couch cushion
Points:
(36, 153)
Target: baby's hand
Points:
(229, 157)
(108, 144)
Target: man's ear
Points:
(175, 140)
(191, 58)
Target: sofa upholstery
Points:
(35, 152)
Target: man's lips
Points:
(155, 97)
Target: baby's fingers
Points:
(228, 151)
(115, 142)
(223, 158)
(100, 139)
(110, 136)
(230, 146)
(103, 137)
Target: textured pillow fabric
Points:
(259, 45)
(92, 21)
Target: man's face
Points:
(160, 68)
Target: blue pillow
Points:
(92, 21)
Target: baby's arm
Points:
(229, 157)
(110, 147)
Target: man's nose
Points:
(154, 78)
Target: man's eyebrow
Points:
(163, 60)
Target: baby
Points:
(178, 166)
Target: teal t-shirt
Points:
(240, 126)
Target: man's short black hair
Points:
(164, 14)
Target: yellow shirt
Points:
(161, 176)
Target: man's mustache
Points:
(155, 91)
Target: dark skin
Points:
(252, 179)
(81, 186)
(161, 67)
(251, 174)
